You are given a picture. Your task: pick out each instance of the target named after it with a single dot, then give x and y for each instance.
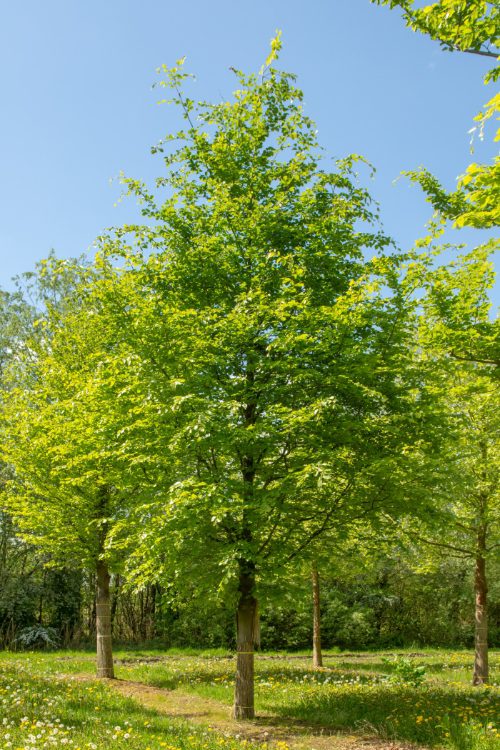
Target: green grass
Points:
(38, 710)
(352, 693)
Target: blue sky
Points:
(78, 107)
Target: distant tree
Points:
(466, 524)
(59, 437)
(457, 332)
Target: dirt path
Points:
(266, 728)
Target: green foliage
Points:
(384, 606)
(474, 203)
(56, 432)
(458, 25)
(37, 637)
(31, 594)
(16, 316)
(405, 671)
(272, 334)
(287, 626)
(472, 26)
(466, 523)
(63, 602)
(457, 317)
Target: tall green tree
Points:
(273, 333)
(463, 521)
(59, 437)
(458, 333)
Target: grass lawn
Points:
(38, 709)
(45, 703)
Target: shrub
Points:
(405, 671)
(37, 637)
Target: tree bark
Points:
(114, 602)
(92, 612)
(246, 632)
(247, 621)
(317, 655)
(481, 673)
(103, 623)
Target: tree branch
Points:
(471, 358)
(484, 53)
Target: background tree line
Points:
(382, 605)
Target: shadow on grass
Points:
(389, 667)
(216, 673)
(417, 715)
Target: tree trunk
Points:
(40, 600)
(246, 624)
(317, 656)
(154, 596)
(481, 615)
(91, 612)
(247, 619)
(114, 602)
(103, 622)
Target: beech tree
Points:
(457, 328)
(463, 521)
(273, 333)
(459, 334)
(59, 427)
(476, 509)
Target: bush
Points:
(37, 637)
(405, 671)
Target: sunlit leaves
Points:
(272, 332)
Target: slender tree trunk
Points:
(247, 617)
(150, 611)
(246, 625)
(103, 622)
(481, 674)
(317, 655)
(40, 600)
(114, 602)
(91, 611)
(154, 595)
